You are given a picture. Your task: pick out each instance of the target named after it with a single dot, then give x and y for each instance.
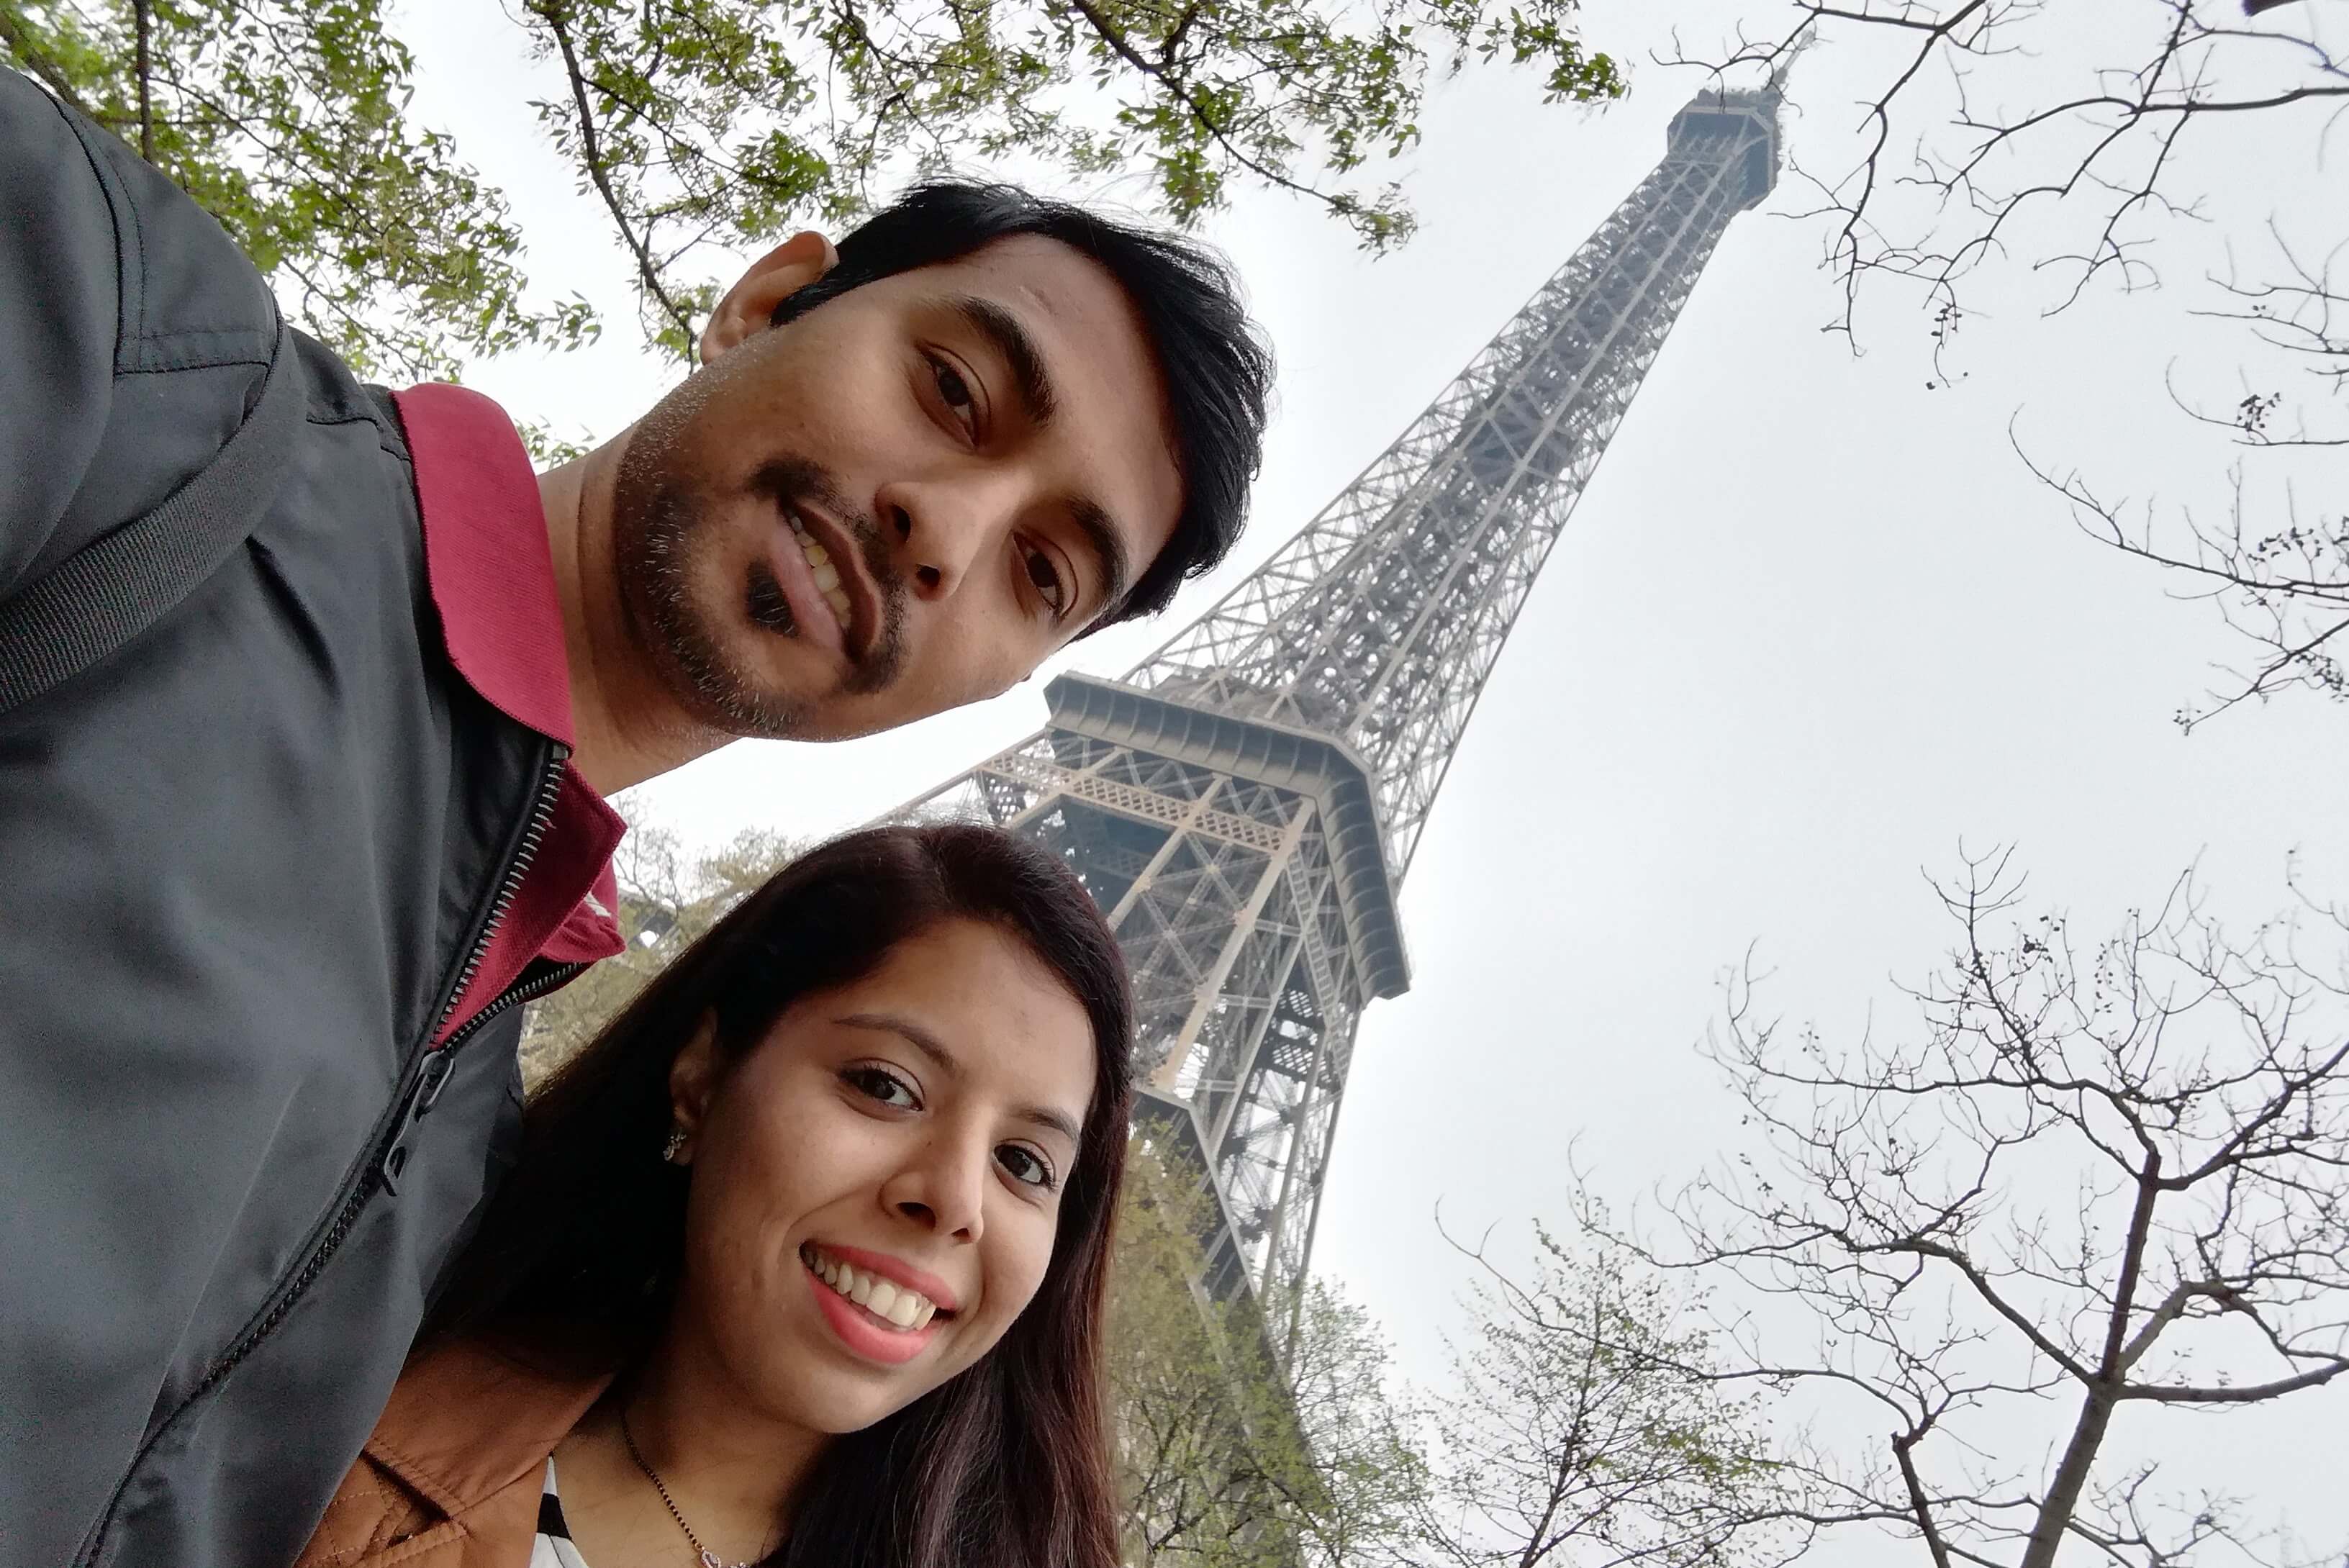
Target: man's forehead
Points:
(1034, 274)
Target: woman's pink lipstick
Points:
(865, 1335)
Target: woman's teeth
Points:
(886, 1299)
(827, 575)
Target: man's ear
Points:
(691, 1079)
(774, 278)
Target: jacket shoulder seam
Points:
(198, 348)
(119, 210)
(385, 440)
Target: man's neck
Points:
(608, 684)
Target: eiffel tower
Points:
(1246, 801)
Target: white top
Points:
(552, 1547)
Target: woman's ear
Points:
(692, 1078)
(750, 306)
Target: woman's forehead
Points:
(984, 1007)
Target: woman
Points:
(803, 1262)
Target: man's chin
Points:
(730, 683)
(743, 676)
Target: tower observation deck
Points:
(1246, 801)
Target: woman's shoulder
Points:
(453, 1472)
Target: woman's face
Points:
(876, 1184)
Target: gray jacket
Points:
(243, 865)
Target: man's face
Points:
(899, 503)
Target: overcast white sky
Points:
(1811, 625)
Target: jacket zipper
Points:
(541, 815)
(422, 1084)
(439, 1065)
(431, 1070)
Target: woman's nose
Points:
(945, 1192)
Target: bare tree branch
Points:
(1991, 137)
(2194, 1090)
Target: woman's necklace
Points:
(708, 1559)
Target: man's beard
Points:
(659, 536)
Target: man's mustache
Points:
(790, 481)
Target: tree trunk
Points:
(2063, 1498)
(146, 24)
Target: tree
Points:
(1995, 140)
(669, 898)
(1226, 1460)
(1584, 1427)
(696, 124)
(2087, 1187)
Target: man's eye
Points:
(955, 392)
(1047, 579)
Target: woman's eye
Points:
(1046, 576)
(955, 392)
(885, 1087)
(1024, 1165)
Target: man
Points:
(288, 837)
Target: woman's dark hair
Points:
(1217, 367)
(1004, 1466)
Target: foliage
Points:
(698, 125)
(1585, 1427)
(288, 122)
(1996, 139)
(2090, 1186)
(667, 899)
(1223, 1460)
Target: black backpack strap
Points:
(104, 594)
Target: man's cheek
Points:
(949, 676)
(996, 669)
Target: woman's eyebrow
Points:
(1051, 1120)
(930, 1045)
(913, 1034)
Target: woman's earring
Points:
(675, 1146)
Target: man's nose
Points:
(940, 531)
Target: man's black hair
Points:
(1217, 368)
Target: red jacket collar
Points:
(485, 550)
(492, 577)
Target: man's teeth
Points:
(909, 1309)
(827, 575)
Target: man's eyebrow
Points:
(1010, 337)
(930, 1045)
(1108, 549)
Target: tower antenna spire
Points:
(1784, 67)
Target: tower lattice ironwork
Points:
(1244, 802)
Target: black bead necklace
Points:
(708, 1559)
